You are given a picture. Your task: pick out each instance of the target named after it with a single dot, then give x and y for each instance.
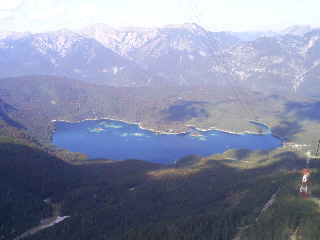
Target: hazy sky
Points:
(219, 15)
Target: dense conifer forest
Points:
(222, 196)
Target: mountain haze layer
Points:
(182, 54)
(167, 80)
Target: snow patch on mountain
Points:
(202, 53)
(59, 41)
(296, 30)
(120, 41)
(309, 45)
(115, 70)
(11, 35)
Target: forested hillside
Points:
(211, 198)
(214, 197)
(31, 103)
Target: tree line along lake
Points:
(118, 140)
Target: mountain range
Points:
(185, 54)
(237, 194)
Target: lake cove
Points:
(119, 140)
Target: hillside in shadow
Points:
(185, 110)
(162, 199)
(305, 110)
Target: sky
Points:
(39, 16)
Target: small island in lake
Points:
(137, 134)
(97, 129)
(196, 134)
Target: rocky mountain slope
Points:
(63, 53)
(296, 30)
(172, 55)
(284, 65)
(253, 35)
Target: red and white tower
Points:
(304, 189)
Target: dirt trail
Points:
(45, 222)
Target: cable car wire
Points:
(222, 63)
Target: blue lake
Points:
(118, 140)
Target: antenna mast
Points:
(304, 189)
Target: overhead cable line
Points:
(316, 157)
(222, 63)
(213, 55)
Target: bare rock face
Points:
(181, 54)
(296, 30)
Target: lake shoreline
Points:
(142, 143)
(173, 132)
